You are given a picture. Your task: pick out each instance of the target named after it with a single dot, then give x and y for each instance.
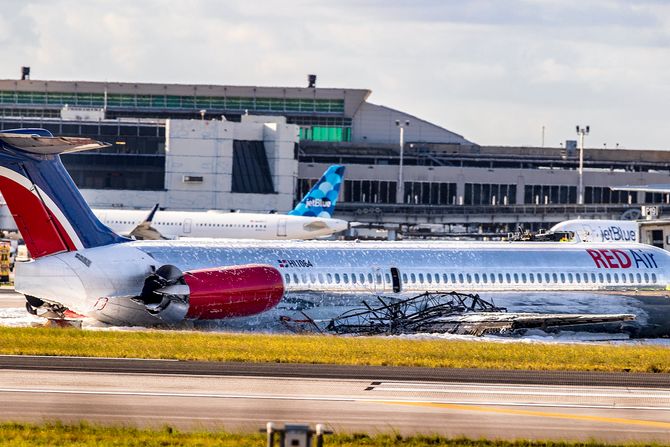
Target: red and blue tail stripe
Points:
(49, 210)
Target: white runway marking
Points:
(325, 399)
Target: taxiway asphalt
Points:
(498, 404)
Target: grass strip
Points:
(388, 351)
(84, 434)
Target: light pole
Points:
(581, 132)
(400, 190)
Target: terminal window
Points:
(549, 194)
(430, 193)
(599, 194)
(489, 194)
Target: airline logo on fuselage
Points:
(622, 259)
(318, 203)
(283, 263)
(615, 233)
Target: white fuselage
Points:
(187, 224)
(79, 280)
(601, 230)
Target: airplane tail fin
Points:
(320, 200)
(49, 210)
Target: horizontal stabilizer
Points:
(47, 145)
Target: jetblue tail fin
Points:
(49, 210)
(320, 200)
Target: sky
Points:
(494, 71)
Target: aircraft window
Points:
(609, 278)
(429, 278)
(388, 278)
(653, 278)
(578, 277)
(554, 276)
(321, 278)
(484, 278)
(287, 277)
(547, 278)
(477, 278)
(337, 278)
(616, 277)
(585, 277)
(421, 278)
(593, 277)
(437, 278)
(412, 277)
(639, 278)
(516, 278)
(531, 277)
(562, 277)
(601, 278)
(445, 278)
(379, 278)
(329, 277)
(361, 277)
(453, 278)
(353, 278)
(523, 278)
(345, 278)
(570, 278)
(623, 277)
(370, 278)
(295, 278)
(539, 277)
(500, 277)
(508, 277)
(460, 278)
(646, 278)
(404, 277)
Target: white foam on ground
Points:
(19, 317)
(321, 307)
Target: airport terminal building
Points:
(204, 147)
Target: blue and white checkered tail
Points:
(321, 199)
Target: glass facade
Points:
(369, 191)
(654, 197)
(195, 102)
(430, 193)
(550, 194)
(603, 194)
(489, 194)
(323, 133)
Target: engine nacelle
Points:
(233, 291)
(211, 294)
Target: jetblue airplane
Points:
(600, 230)
(82, 266)
(311, 218)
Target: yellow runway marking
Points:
(578, 417)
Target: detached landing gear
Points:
(55, 314)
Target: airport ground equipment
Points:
(295, 435)
(5, 261)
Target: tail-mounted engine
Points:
(210, 294)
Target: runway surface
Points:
(246, 396)
(10, 299)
